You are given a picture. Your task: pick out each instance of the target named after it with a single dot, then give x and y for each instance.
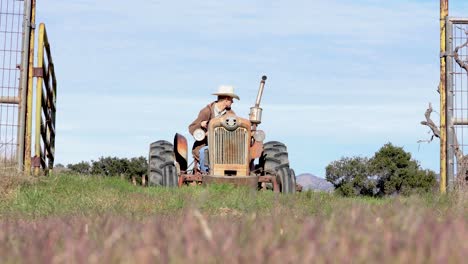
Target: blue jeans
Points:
(203, 167)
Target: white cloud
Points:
(340, 72)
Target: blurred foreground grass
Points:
(99, 219)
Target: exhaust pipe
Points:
(255, 115)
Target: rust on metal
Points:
(181, 151)
(443, 97)
(270, 179)
(256, 150)
(191, 177)
(229, 142)
(36, 162)
(38, 72)
(298, 188)
(180, 181)
(275, 185)
(29, 93)
(232, 152)
(45, 102)
(249, 181)
(9, 100)
(266, 179)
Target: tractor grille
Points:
(230, 146)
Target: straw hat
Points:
(226, 90)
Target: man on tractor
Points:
(228, 149)
(215, 109)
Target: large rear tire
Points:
(274, 161)
(293, 179)
(162, 166)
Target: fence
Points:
(457, 99)
(17, 39)
(46, 100)
(11, 55)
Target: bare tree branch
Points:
(430, 123)
(462, 160)
(426, 140)
(458, 151)
(457, 58)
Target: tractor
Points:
(234, 146)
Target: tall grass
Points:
(78, 219)
(11, 181)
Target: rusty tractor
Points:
(234, 144)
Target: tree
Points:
(109, 166)
(350, 176)
(82, 167)
(112, 166)
(137, 169)
(390, 171)
(138, 166)
(397, 173)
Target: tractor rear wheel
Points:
(293, 179)
(162, 165)
(275, 161)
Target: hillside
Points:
(312, 182)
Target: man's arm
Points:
(204, 115)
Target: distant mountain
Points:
(312, 182)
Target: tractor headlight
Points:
(199, 134)
(259, 135)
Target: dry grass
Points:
(357, 235)
(220, 225)
(11, 181)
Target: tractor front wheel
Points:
(274, 161)
(162, 165)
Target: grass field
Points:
(74, 219)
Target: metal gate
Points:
(46, 101)
(13, 71)
(457, 99)
(17, 116)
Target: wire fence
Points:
(11, 27)
(460, 85)
(457, 99)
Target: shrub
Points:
(390, 171)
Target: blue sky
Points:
(345, 77)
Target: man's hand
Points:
(204, 124)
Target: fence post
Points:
(443, 97)
(29, 112)
(38, 118)
(25, 56)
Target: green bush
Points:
(390, 171)
(112, 166)
(82, 167)
(350, 176)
